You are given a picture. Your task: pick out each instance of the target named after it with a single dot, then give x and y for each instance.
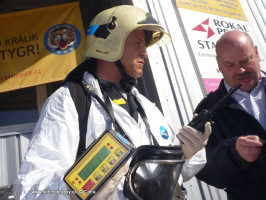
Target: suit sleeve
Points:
(51, 152)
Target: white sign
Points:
(203, 30)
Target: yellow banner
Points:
(40, 46)
(226, 8)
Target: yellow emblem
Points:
(119, 101)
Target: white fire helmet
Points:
(108, 31)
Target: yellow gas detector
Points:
(101, 159)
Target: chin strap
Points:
(126, 82)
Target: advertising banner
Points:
(204, 22)
(225, 8)
(40, 46)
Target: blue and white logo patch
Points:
(62, 39)
(164, 133)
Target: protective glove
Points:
(193, 140)
(107, 190)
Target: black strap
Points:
(107, 107)
(83, 119)
(83, 106)
(126, 82)
(133, 106)
(145, 119)
(114, 93)
(90, 90)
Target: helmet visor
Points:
(158, 36)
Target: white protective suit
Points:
(54, 144)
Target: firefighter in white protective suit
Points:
(114, 58)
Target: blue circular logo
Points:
(164, 133)
(62, 39)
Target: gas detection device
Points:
(100, 160)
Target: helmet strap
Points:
(126, 82)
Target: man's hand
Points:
(107, 190)
(193, 140)
(249, 147)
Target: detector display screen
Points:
(94, 163)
